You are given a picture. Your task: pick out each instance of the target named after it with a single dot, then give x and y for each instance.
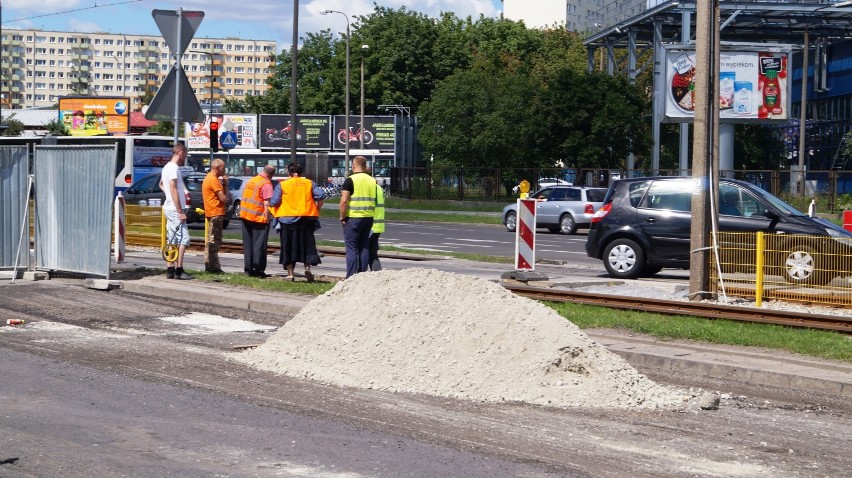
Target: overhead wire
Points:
(71, 11)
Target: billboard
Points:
(312, 132)
(198, 134)
(95, 115)
(379, 133)
(753, 85)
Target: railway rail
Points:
(695, 309)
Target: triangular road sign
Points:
(167, 23)
(162, 107)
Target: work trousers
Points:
(356, 235)
(255, 241)
(213, 243)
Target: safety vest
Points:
(251, 205)
(297, 199)
(379, 213)
(363, 200)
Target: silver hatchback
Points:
(562, 209)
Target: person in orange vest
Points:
(254, 212)
(295, 204)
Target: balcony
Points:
(16, 77)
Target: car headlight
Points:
(839, 236)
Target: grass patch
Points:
(815, 343)
(275, 284)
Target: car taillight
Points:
(602, 212)
(188, 198)
(589, 209)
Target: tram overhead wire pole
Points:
(346, 121)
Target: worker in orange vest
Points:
(254, 212)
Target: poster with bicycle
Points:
(312, 132)
(379, 132)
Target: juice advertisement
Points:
(753, 86)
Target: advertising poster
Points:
(311, 132)
(379, 133)
(198, 134)
(753, 86)
(95, 115)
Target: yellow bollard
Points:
(758, 284)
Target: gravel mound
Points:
(438, 333)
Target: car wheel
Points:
(624, 259)
(567, 225)
(802, 265)
(511, 222)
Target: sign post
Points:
(178, 28)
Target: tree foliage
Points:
(13, 127)
(489, 92)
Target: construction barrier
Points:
(118, 228)
(525, 235)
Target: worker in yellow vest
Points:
(357, 207)
(377, 229)
(254, 212)
(295, 204)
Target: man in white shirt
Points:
(174, 208)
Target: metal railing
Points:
(794, 268)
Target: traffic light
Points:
(214, 136)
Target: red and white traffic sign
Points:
(525, 235)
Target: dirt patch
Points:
(426, 331)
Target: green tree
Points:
(593, 120)
(57, 127)
(483, 117)
(13, 127)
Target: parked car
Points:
(561, 209)
(148, 188)
(645, 224)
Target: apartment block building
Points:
(575, 15)
(40, 66)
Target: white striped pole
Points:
(525, 235)
(118, 224)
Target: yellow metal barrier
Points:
(799, 268)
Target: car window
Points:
(670, 195)
(572, 194)
(558, 194)
(234, 183)
(595, 195)
(734, 201)
(544, 193)
(147, 184)
(193, 183)
(637, 191)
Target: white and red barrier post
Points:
(525, 235)
(118, 225)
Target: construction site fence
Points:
(792, 268)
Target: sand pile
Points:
(426, 331)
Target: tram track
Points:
(694, 309)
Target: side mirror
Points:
(771, 214)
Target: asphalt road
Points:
(106, 384)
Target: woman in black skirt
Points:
(295, 203)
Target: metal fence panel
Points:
(74, 198)
(14, 170)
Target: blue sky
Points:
(254, 19)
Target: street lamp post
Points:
(212, 78)
(346, 124)
(804, 99)
(364, 49)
